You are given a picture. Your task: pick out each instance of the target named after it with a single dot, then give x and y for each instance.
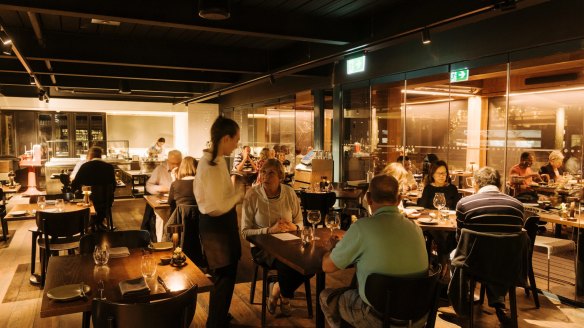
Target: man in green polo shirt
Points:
(385, 243)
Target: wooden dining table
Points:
(306, 260)
(436, 223)
(75, 269)
(31, 209)
(160, 205)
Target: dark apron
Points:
(220, 239)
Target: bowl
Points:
(165, 259)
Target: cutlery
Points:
(163, 284)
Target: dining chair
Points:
(176, 311)
(400, 300)
(123, 238)
(184, 222)
(316, 201)
(268, 278)
(102, 197)
(3, 215)
(59, 231)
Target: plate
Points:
(50, 210)
(417, 208)
(67, 292)
(414, 215)
(161, 246)
(162, 201)
(51, 202)
(18, 213)
(427, 221)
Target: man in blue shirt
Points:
(385, 243)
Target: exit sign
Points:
(459, 75)
(356, 65)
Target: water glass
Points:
(445, 213)
(148, 266)
(41, 202)
(313, 218)
(60, 205)
(306, 235)
(101, 255)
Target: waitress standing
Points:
(217, 197)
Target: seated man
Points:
(490, 210)
(159, 183)
(375, 245)
(244, 161)
(523, 169)
(96, 172)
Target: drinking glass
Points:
(60, 205)
(306, 235)
(439, 201)
(148, 266)
(101, 255)
(41, 202)
(313, 218)
(445, 214)
(333, 221)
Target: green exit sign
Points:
(459, 75)
(356, 65)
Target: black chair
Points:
(184, 221)
(176, 311)
(102, 197)
(531, 227)
(266, 280)
(3, 215)
(124, 238)
(317, 201)
(404, 300)
(489, 258)
(59, 232)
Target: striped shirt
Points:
(489, 210)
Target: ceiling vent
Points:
(551, 78)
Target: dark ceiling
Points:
(163, 51)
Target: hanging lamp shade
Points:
(214, 9)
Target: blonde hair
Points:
(264, 154)
(397, 171)
(187, 168)
(556, 155)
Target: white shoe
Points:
(272, 301)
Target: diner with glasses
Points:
(373, 164)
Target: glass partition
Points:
(356, 138)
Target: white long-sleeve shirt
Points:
(259, 213)
(214, 191)
(160, 180)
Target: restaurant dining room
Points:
(326, 163)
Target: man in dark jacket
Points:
(102, 179)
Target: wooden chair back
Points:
(176, 311)
(317, 201)
(403, 299)
(62, 224)
(124, 238)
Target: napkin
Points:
(134, 287)
(285, 236)
(116, 252)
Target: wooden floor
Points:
(23, 310)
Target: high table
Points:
(306, 260)
(160, 205)
(74, 269)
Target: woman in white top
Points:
(216, 197)
(273, 207)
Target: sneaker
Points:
(272, 301)
(285, 307)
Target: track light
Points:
(214, 9)
(5, 38)
(124, 87)
(32, 80)
(7, 49)
(426, 36)
(41, 95)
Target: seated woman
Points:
(181, 190)
(272, 207)
(553, 169)
(397, 171)
(438, 180)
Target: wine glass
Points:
(101, 255)
(313, 218)
(333, 221)
(439, 201)
(148, 266)
(60, 205)
(41, 202)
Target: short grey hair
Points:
(555, 155)
(487, 176)
(275, 164)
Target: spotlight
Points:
(32, 80)
(426, 36)
(7, 49)
(124, 87)
(214, 9)
(41, 95)
(5, 38)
